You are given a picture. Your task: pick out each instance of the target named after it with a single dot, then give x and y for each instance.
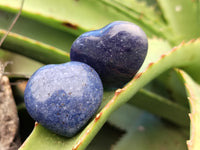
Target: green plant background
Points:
(152, 110)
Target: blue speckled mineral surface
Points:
(63, 97)
(116, 51)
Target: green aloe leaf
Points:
(176, 58)
(74, 16)
(44, 35)
(139, 7)
(193, 91)
(77, 17)
(183, 16)
(145, 131)
(145, 17)
(68, 19)
(33, 49)
(35, 30)
(156, 48)
(177, 90)
(161, 106)
(156, 100)
(36, 40)
(183, 55)
(43, 139)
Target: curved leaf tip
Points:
(193, 91)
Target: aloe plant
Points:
(158, 108)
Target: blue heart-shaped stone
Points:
(63, 97)
(116, 51)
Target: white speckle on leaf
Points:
(141, 128)
(178, 8)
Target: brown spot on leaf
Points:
(70, 25)
(162, 56)
(192, 41)
(174, 49)
(118, 91)
(150, 64)
(36, 123)
(137, 75)
(182, 43)
(81, 140)
(98, 116)
(76, 146)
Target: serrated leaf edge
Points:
(111, 105)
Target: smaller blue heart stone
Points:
(116, 51)
(63, 97)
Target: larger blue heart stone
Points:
(116, 51)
